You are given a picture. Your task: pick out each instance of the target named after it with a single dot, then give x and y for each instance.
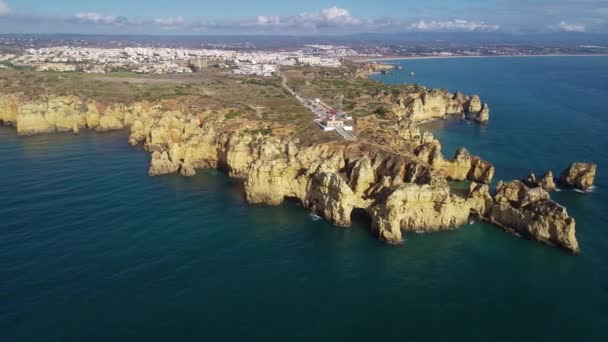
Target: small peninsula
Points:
(263, 129)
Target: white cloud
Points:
(339, 16)
(452, 25)
(329, 17)
(264, 20)
(4, 8)
(100, 19)
(568, 27)
(170, 23)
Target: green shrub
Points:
(381, 111)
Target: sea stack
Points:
(473, 105)
(484, 114)
(579, 175)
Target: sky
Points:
(302, 17)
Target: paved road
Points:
(348, 135)
(286, 86)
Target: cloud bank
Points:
(568, 27)
(4, 8)
(453, 25)
(101, 19)
(588, 16)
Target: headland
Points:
(265, 129)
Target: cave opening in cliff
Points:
(291, 199)
(359, 217)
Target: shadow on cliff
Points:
(360, 218)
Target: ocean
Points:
(92, 249)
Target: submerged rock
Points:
(579, 175)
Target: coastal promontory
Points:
(255, 129)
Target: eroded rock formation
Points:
(579, 175)
(426, 104)
(483, 116)
(530, 212)
(65, 113)
(370, 68)
(400, 181)
(546, 182)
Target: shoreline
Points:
(399, 58)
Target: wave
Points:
(590, 190)
(315, 217)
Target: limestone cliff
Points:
(462, 167)
(429, 104)
(400, 181)
(65, 113)
(370, 68)
(531, 213)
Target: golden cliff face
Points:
(531, 213)
(66, 113)
(401, 182)
(427, 104)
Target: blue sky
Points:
(301, 17)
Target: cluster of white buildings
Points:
(162, 68)
(168, 60)
(5, 57)
(256, 69)
(330, 51)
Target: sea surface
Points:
(92, 249)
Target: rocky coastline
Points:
(400, 178)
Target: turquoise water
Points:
(93, 249)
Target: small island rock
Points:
(579, 175)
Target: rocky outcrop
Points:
(473, 105)
(66, 113)
(426, 104)
(483, 116)
(481, 200)
(464, 166)
(9, 109)
(579, 176)
(401, 182)
(546, 182)
(400, 192)
(370, 68)
(414, 207)
(531, 213)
